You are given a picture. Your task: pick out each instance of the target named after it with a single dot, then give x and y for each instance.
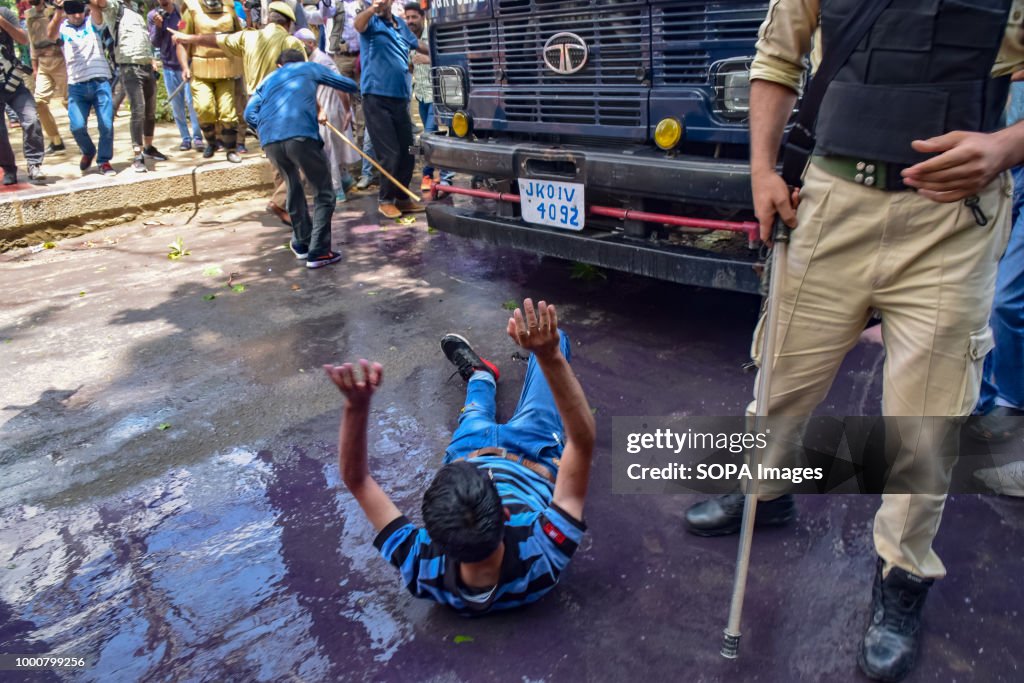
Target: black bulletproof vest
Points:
(922, 70)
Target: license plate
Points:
(550, 202)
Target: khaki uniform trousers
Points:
(51, 79)
(214, 101)
(929, 269)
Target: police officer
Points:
(916, 107)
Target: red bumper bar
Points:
(749, 227)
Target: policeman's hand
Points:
(357, 388)
(964, 164)
(772, 197)
(535, 331)
(181, 38)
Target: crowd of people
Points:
(212, 57)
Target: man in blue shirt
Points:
(504, 515)
(384, 45)
(282, 109)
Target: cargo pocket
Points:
(978, 346)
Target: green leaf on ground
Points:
(587, 273)
(177, 249)
(163, 426)
(372, 293)
(209, 297)
(49, 245)
(213, 271)
(238, 289)
(406, 220)
(431, 231)
(82, 293)
(510, 305)
(463, 639)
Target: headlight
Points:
(451, 86)
(668, 133)
(462, 124)
(732, 88)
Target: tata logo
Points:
(565, 53)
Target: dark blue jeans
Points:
(535, 430)
(82, 97)
(20, 100)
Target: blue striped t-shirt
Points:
(540, 539)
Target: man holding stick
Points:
(282, 110)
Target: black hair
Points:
(463, 512)
(278, 18)
(414, 7)
(289, 56)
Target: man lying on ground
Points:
(504, 514)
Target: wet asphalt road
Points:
(171, 508)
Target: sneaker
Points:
(233, 157)
(325, 260)
(35, 172)
(365, 182)
(242, 149)
(209, 151)
(153, 153)
(139, 164)
(86, 161)
(198, 144)
(55, 148)
(11, 177)
(301, 253)
(409, 206)
(347, 183)
(426, 183)
(185, 145)
(218, 146)
(280, 213)
(107, 169)
(1007, 480)
(466, 361)
(389, 211)
(340, 197)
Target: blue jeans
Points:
(368, 170)
(1003, 380)
(535, 430)
(82, 97)
(172, 79)
(430, 126)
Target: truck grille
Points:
(615, 40)
(680, 35)
(478, 42)
(601, 108)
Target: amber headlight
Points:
(668, 133)
(462, 124)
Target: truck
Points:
(608, 132)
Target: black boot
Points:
(889, 650)
(721, 516)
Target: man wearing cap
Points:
(384, 45)
(88, 80)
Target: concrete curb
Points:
(69, 211)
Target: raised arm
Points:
(362, 20)
(15, 31)
(537, 331)
(53, 28)
(358, 389)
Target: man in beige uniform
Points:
(213, 88)
(48, 69)
(916, 107)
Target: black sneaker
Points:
(86, 161)
(325, 260)
(892, 639)
(139, 164)
(153, 153)
(721, 516)
(209, 151)
(301, 253)
(55, 148)
(466, 361)
(185, 145)
(11, 177)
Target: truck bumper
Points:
(632, 171)
(602, 248)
